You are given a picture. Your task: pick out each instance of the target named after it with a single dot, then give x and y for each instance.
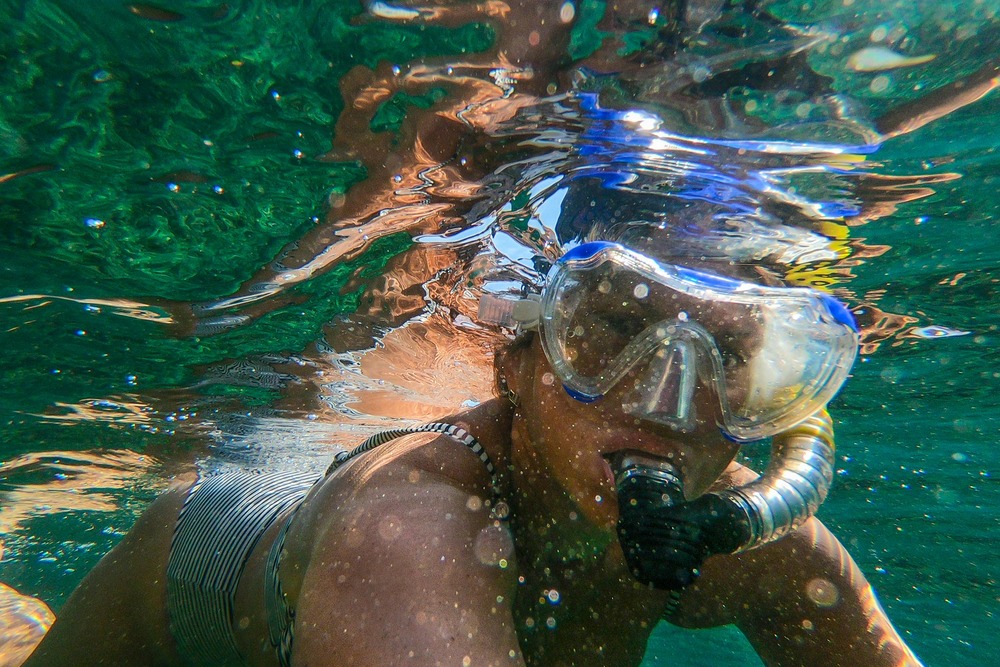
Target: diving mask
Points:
(608, 315)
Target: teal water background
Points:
(161, 161)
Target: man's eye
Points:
(624, 324)
(734, 353)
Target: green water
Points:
(166, 161)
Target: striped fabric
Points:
(280, 616)
(222, 520)
(454, 432)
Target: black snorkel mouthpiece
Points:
(665, 539)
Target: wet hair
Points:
(502, 357)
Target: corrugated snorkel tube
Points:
(794, 485)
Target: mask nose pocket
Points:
(664, 390)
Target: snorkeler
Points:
(530, 549)
(555, 524)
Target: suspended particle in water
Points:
(822, 592)
(880, 84)
(102, 76)
(94, 223)
(567, 12)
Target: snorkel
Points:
(771, 357)
(665, 538)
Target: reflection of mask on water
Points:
(771, 356)
(665, 539)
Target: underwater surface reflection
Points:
(251, 233)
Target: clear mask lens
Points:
(772, 356)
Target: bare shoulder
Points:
(406, 563)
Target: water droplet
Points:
(641, 291)
(550, 623)
(822, 592)
(567, 12)
(553, 596)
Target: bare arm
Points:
(801, 600)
